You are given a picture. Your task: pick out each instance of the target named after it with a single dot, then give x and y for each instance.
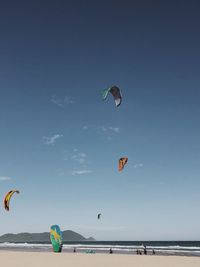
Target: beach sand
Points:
(50, 259)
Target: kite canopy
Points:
(99, 215)
(56, 238)
(122, 163)
(115, 91)
(8, 197)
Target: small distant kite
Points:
(115, 91)
(122, 163)
(8, 197)
(99, 215)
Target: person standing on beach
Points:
(145, 249)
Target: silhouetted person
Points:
(111, 251)
(153, 252)
(74, 250)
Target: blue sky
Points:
(60, 143)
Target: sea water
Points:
(186, 248)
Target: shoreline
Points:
(164, 248)
(101, 252)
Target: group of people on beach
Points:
(144, 250)
(138, 251)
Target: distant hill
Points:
(42, 237)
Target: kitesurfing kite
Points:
(122, 163)
(99, 215)
(115, 91)
(56, 238)
(8, 197)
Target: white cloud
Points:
(138, 165)
(51, 140)
(109, 129)
(62, 102)
(81, 172)
(104, 129)
(114, 129)
(78, 161)
(77, 156)
(4, 178)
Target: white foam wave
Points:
(99, 247)
(173, 247)
(22, 245)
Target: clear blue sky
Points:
(60, 143)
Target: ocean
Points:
(185, 248)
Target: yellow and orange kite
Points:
(8, 197)
(122, 163)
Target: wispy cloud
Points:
(61, 102)
(4, 178)
(51, 140)
(138, 165)
(78, 161)
(114, 129)
(81, 172)
(102, 129)
(77, 156)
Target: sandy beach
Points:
(42, 259)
